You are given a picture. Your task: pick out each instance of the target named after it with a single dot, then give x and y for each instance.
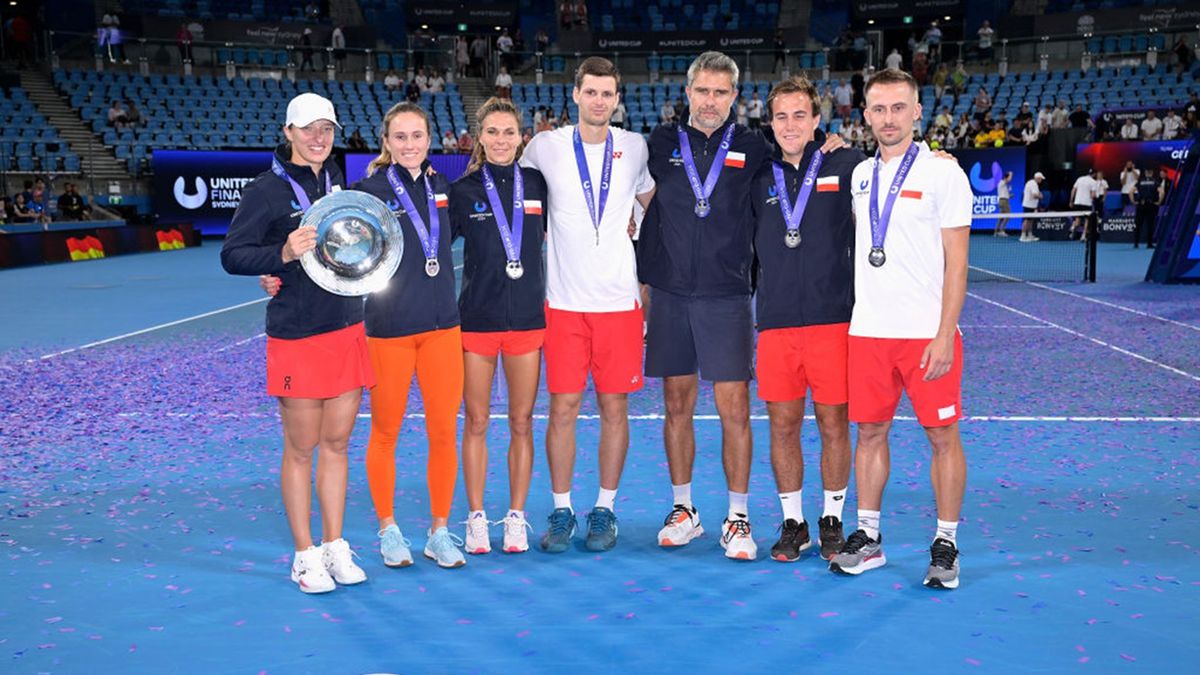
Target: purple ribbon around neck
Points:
(792, 217)
(429, 238)
(879, 223)
(301, 198)
(511, 239)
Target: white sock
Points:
(682, 494)
(513, 513)
(477, 514)
(792, 505)
(606, 498)
(562, 500)
(834, 501)
(868, 521)
(948, 530)
(739, 505)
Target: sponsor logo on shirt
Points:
(828, 184)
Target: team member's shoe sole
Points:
(684, 541)
(864, 566)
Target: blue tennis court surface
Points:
(142, 528)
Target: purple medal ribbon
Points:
(791, 218)
(301, 198)
(879, 224)
(511, 239)
(429, 238)
(597, 212)
(703, 192)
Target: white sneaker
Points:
(308, 570)
(477, 533)
(516, 535)
(681, 526)
(1033, 238)
(737, 540)
(338, 559)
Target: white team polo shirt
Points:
(581, 276)
(903, 298)
(1085, 189)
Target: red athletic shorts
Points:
(791, 360)
(319, 366)
(609, 345)
(509, 342)
(881, 367)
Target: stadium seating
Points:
(28, 142)
(682, 15)
(214, 113)
(230, 10)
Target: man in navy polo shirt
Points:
(695, 252)
(804, 240)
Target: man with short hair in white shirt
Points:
(910, 282)
(1083, 198)
(1171, 125)
(1031, 201)
(593, 174)
(1152, 127)
(1129, 130)
(1003, 202)
(754, 111)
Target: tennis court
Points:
(142, 528)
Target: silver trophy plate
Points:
(359, 243)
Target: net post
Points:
(1093, 228)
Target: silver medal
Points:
(792, 238)
(703, 208)
(514, 269)
(432, 267)
(876, 257)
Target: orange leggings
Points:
(436, 356)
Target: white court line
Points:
(1004, 325)
(150, 329)
(653, 417)
(1089, 338)
(1106, 303)
(239, 343)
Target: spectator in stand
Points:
(618, 116)
(1080, 119)
(547, 123)
(20, 34)
(116, 116)
(983, 102)
(526, 136)
(1191, 123)
(71, 206)
(542, 41)
(412, 92)
(941, 79)
(666, 114)
(504, 45)
(920, 68)
(581, 14)
(742, 111)
(465, 143)
(23, 211)
(963, 130)
(827, 105)
(1045, 119)
(755, 111)
(437, 83)
(1024, 114)
(958, 79)
(479, 52)
(422, 80)
(843, 96)
(933, 38)
(306, 50)
(1192, 106)
(183, 40)
(1014, 134)
(312, 13)
(449, 142)
(894, 60)
(986, 38)
(1060, 118)
(1172, 124)
(564, 118)
(39, 199)
(392, 80)
(679, 109)
(504, 83)
(357, 143)
(1183, 53)
(566, 14)
(462, 55)
(780, 49)
(6, 209)
(133, 116)
(1152, 127)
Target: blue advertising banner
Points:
(986, 168)
(203, 188)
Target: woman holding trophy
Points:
(317, 359)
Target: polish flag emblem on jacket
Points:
(736, 159)
(828, 184)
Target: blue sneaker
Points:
(562, 527)
(442, 548)
(394, 547)
(602, 529)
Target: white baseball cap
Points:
(1039, 175)
(308, 108)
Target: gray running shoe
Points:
(861, 553)
(943, 565)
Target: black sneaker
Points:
(792, 541)
(830, 534)
(943, 565)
